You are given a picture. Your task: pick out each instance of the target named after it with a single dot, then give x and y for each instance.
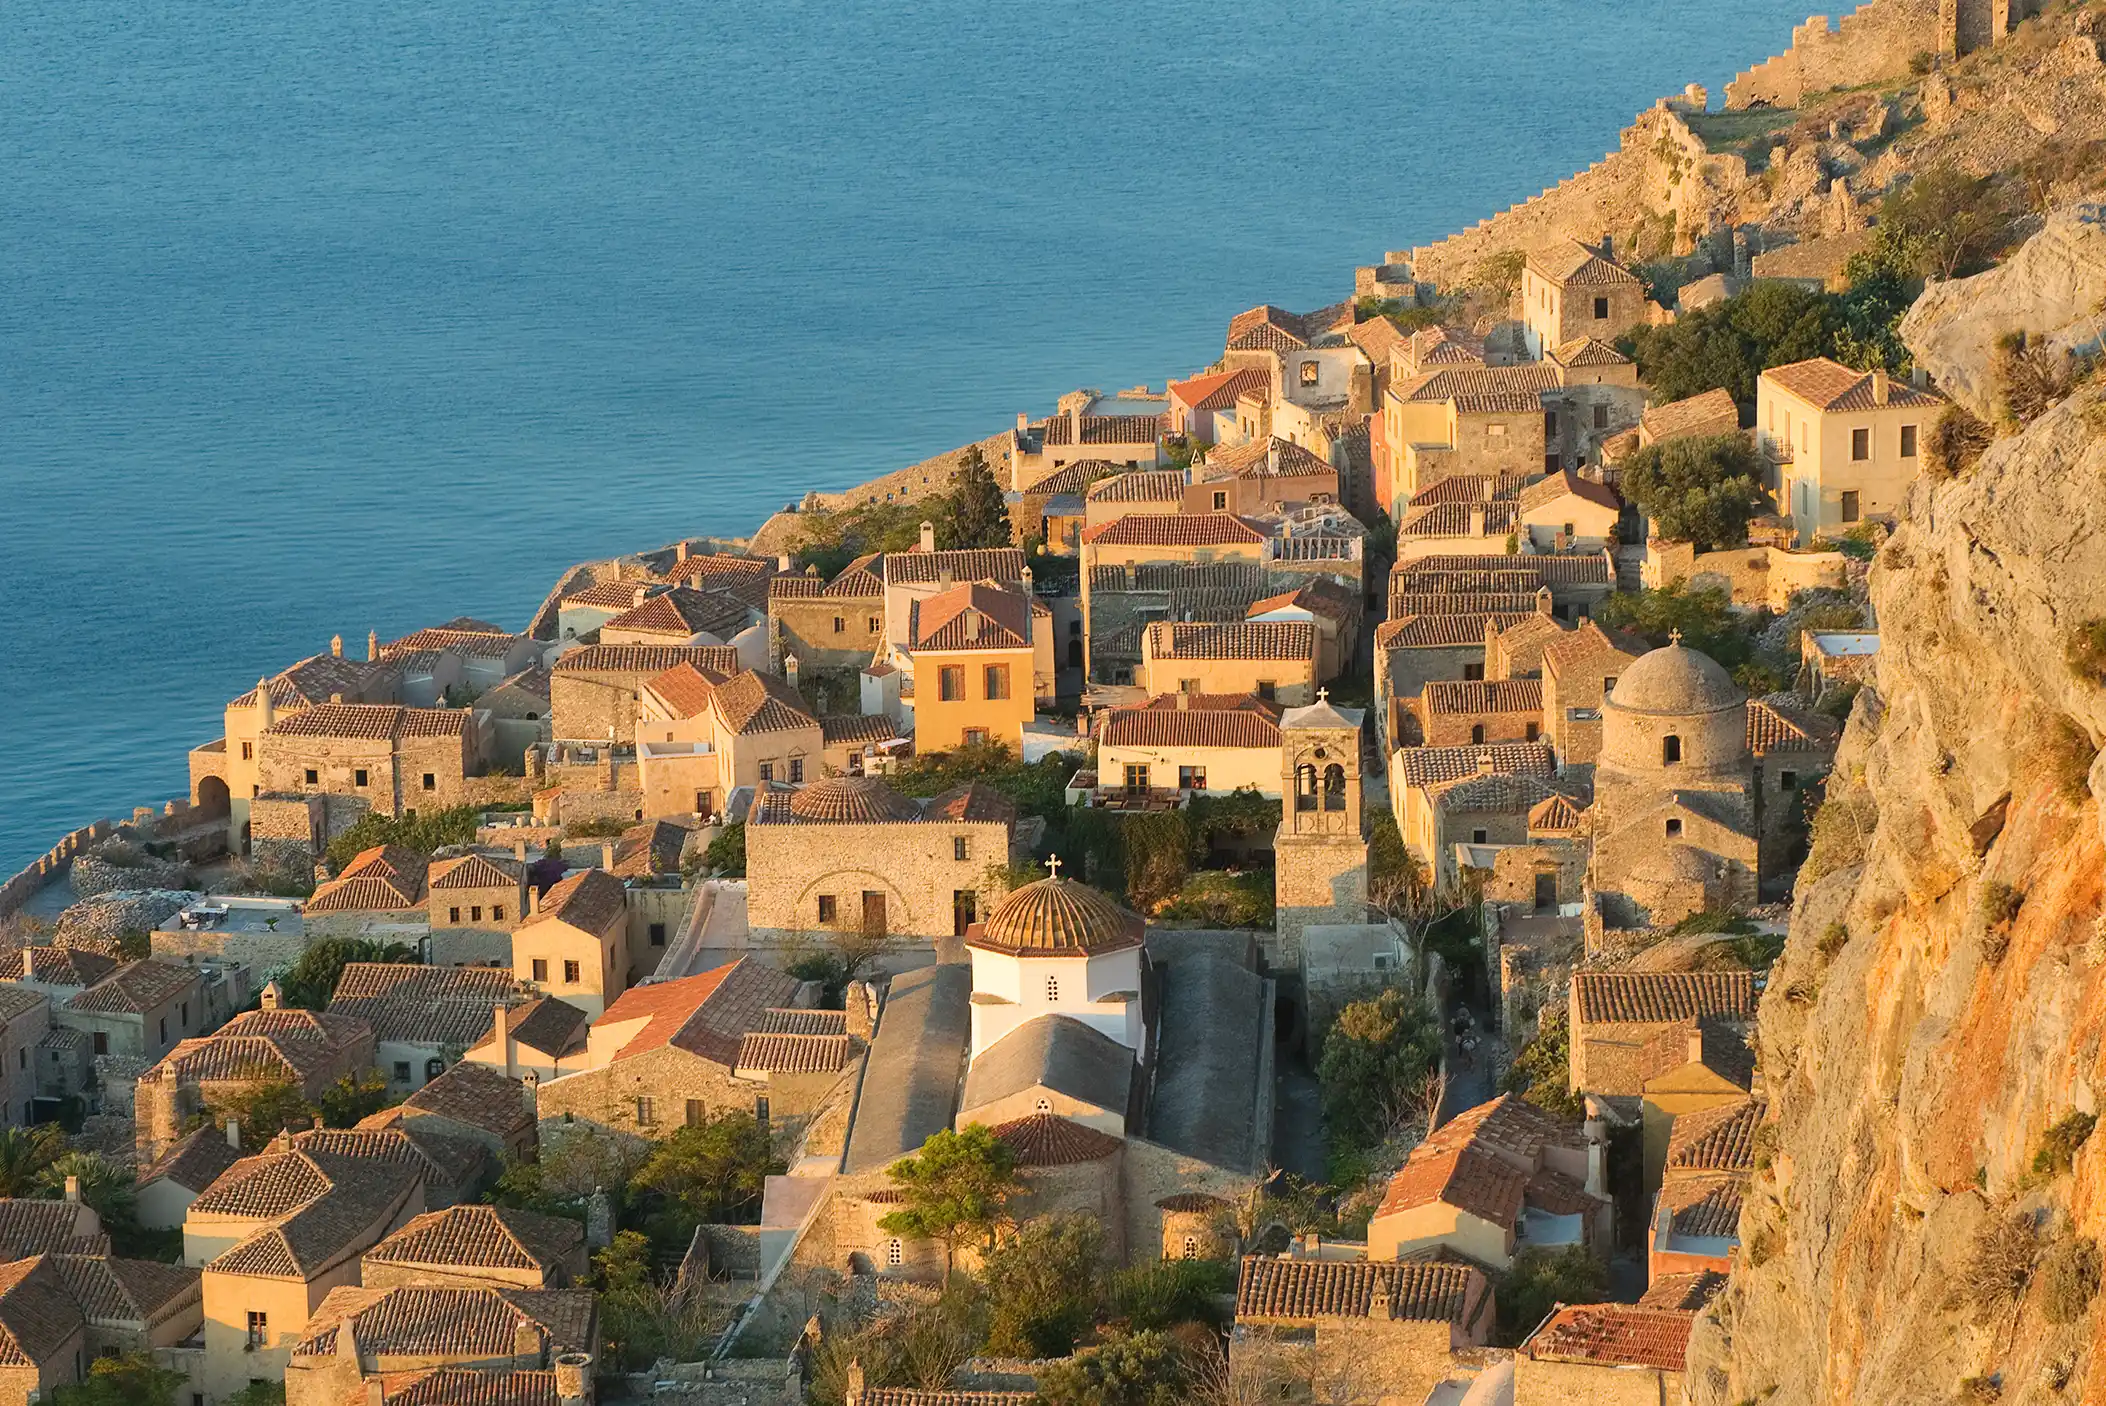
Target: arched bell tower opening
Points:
(1320, 853)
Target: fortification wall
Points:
(930, 478)
(1872, 43)
(176, 821)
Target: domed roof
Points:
(1675, 863)
(849, 799)
(1676, 680)
(1058, 918)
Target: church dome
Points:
(1678, 864)
(852, 800)
(1676, 681)
(1058, 918)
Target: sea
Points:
(320, 318)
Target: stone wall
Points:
(1872, 43)
(1753, 576)
(911, 862)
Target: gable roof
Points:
(372, 722)
(1232, 639)
(469, 1386)
(1140, 486)
(975, 801)
(476, 1096)
(1278, 1287)
(684, 689)
(1627, 997)
(1568, 261)
(1485, 388)
(1582, 352)
(318, 678)
(55, 966)
(1830, 385)
(420, 1321)
(385, 877)
(1055, 1052)
(1720, 1139)
(483, 1237)
(1101, 429)
(545, 1025)
(1466, 697)
(1588, 641)
(37, 1316)
(1462, 1176)
(1194, 727)
(1002, 565)
(1268, 456)
(1445, 631)
(1431, 766)
(590, 900)
(194, 1161)
(753, 702)
(1776, 723)
(682, 612)
(137, 988)
(1711, 413)
(708, 1014)
(1566, 483)
(424, 1005)
(473, 871)
(1266, 328)
(123, 1291)
(720, 660)
(289, 1044)
(1174, 530)
(1049, 1140)
(1218, 390)
(1613, 1335)
(972, 616)
(45, 1228)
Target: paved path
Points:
(1297, 1121)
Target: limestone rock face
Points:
(2052, 287)
(1913, 1072)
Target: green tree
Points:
(130, 1380)
(312, 980)
(1165, 1293)
(715, 1170)
(1947, 220)
(353, 1098)
(422, 832)
(624, 1266)
(641, 1318)
(1143, 1369)
(954, 1190)
(105, 1185)
(1042, 1286)
(1727, 345)
(264, 1107)
(975, 515)
(727, 852)
(1540, 1071)
(1698, 490)
(1702, 615)
(1376, 1056)
(258, 1394)
(1542, 1277)
(25, 1155)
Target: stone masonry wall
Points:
(1873, 42)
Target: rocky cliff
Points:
(1942, 1000)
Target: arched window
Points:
(1052, 988)
(1670, 750)
(1191, 1247)
(1674, 829)
(1477, 734)
(895, 1253)
(1305, 787)
(1334, 787)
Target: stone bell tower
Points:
(1320, 853)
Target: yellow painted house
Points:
(971, 660)
(575, 947)
(1843, 445)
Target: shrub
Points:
(1764, 1144)
(1223, 900)
(421, 833)
(1977, 1389)
(1957, 442)
(2084, 650)
(2057, 1152)
(1999, 903)
(1146, 1369)
(1042, 1287)
(1996, 945)
(2064, 751)
(1375, 1055)
(1922, 62)
(1834, 938)
(1166, 1293)
(2029, 378)
(1496, 276)
(727, 852)
(1841, 834)
(1541, 1071)
(2000, 1263)
(2069, 1279)
(1542, 1277)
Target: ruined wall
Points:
(1872, 43)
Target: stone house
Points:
(1036, 451)
(1479, 819)
(374, 756)
(1194, 400)
(1366, 1330)
(140, 1011)
(667, 1056)
(1599, 397)
(1696, 1215)
(25, 1020)
(851, 854)
(1842, 445)
(478, 1246)
(1414, 650)
(43, 1336)
(1492, 1180)
(518, 706)
(1182, 744)
(1473, 712)
(1567, 513)
(167, 1186)
(1615, 1015)
(1150, 493)
(679, 615)
(1610, 1354)
(1698, 1065)
(480, 656)
(472, 902)
(128, 1305)
(307, 1049)
(540, 1039)
(1569, 291)
(915, 575)
(1467, 419)
(826, 625)
(969, 667)
(1577, 581)
(56, 973)
(1264, 476)
(471, 1102)
(1054, 512)
(582, 610)
(575, 942)
(1418, 776)
(422, 1018)
(1793, 748)
(1579, 670)
(593, 691)
(744, 577)
(380, 894)
(1702, 416)
(58, 1227)
(495, 1344)
(1334, 610)
(1120, 602)
(1274, 659)
(698, 738)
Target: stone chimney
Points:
(943, 577)
(372, 645)
(928, 536)
(1379, 1303)
(783, 564)
(526, 1344)
(1023, 422)
(790, 667)
(519, 850)
(1597, 1135)
(574, 1379)
(375, 1394)
(347, 1348)
(1477, 519)
(860, 1003)
(1696, 1045)
(1074, 414)
(336, 646)
(234, 1134)
(73, 1189)
(1484, 763)
(273, 995)
(607, 854)
(1027, 579)
(680, 550)
(336, 698)
(282, 1142)
(1184, 701)
(1544, 604)
(1881, 388)
(501, 1035)
(533, 899)
(263, 705)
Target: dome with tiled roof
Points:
(1676, 680)
(1058, 917)
(852, 799)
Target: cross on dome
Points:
(1674, 637)
(1323, 695)
(1053, 864)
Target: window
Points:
(1189, 686)
(840, 626)
(1608, 683)
(497, 912)
(1478, 837)
(1861, 444)
(697, 1113)
(1550, 423)
(1908, 443)
(950, 683)
(1220, 502)
(1569, 533)
(102, 1042)
(541, 969)
(876, 623)
(797, 769)
(1268, 690)
(976, 737)
(431, 781)
(1305, 787)
(895, 1253)
(996, 679)
(1497, 431)
(433, 1068)
(960, 849)
(1535, 731)
(646, 1111)
(1052, 988)
(657, 931)
(1477, 734)
(1601, 417)
(1601, 309)
(1136, 776)
(1674, 829)
(1191, 778)
(1850, 513)
(767, 771)
(1788, 781)
(185, 1008)
(1191, 1248)
(248, 749)
(259, 1328)
(570, 973)
(475, 912)
(829, 908)
(358, 777)
(1308, 370)
(313, 776)
(402, 1071)
(1670, 750)
(1472, 672)
(164, 1029)
(453, 915)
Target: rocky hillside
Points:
(1942, 1001)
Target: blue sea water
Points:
(321, 318)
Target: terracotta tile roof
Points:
(1144, 486)
(972, 802)
(1530, 379)
(1723, 1044)
(450, 1322)
(1582, 352)
(1706, 1206)
(1002, 565)
(1588, 642)
(193, 1162)
(1580, 569)
(1626, 997)
(1564, 482)
(682, 612)
(1830, 385)
(797, 1020)
(385, 877)
(483, 1237)
(1614, 1335)
(1506, 402)
(753, 702)
(266, 1044)
(1443, 631)
(546, 1025)
(791, 1054)
(1378, 337)
(121, 1291)
(708, 1014)
(1495, 794)
(319, 678)
(1102, 429)
(473, 871)
(1430, 766)
(590, 900)
(1777, 724)
(1438, 346)
(1269, 457)
(1446, 697)
(425, 1005)
(462, 1386)
(136, 989)
(917, 1396)
(1557, 814)
(609, 595)
(861, 579)
(1048, 1140)
(372, 722)
(1461, 1176)
(1536, 630)
(37, 1316)
(1213, 702)
(1270, 1287)
(972, 616)
(1508, 1124)
(684, 689)
(719, 568)
(1461, 520)
(1174, 530)
(1266, 328)
(44, 1228)
(531, 680)
(1470, 488)
(490, 643)
(1682, 1293)
(837, 800)
(1321, 596)
(857, 729)
(322, 1231)
(474, 1095)
(720, 660)
(1218, 390)
(55, 966)
(1718, 1139)
(1570, 262)
(1191, 1203)
(1285, 640)
(1196, 727)
(1712, 413)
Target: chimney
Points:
(336, 698)
(1696, 1046)
(375, 1395)
(1027, 578)
(263, 705)
(234, 1134)
(1184, 700)
(533, 900)
(526, 1344)
(574, 1379)
(1880, 387)
(272, 996)
(860, 1004)
(928, 536)
(73, 1189)
(519, 850)
(854, 1396)
(1309, 1246)
(1477, 517)
(606, 854)
(1544, 605)
(1597, 1135)
(943, 577)
(282, 1142)
(1484, 763)
(336, 646)
(1608, 247)
(501, 1034)
(1074, 413)
(1378, 1301)
(680, 551)
(790, 667)
(372, 645)
(1023, 422)
(347, 1348)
